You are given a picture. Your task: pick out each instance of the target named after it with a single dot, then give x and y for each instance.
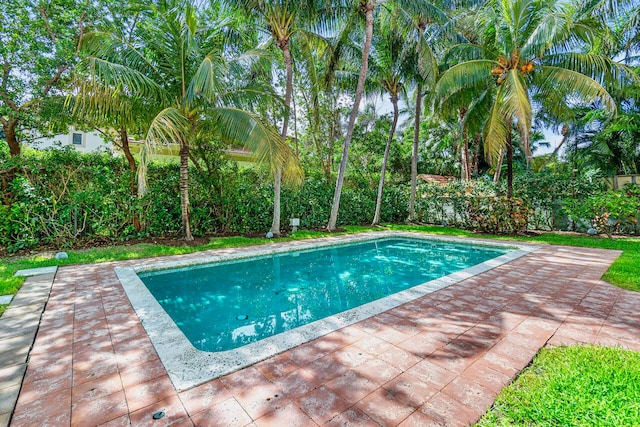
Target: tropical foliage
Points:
(39, 43)
(183, 70)
(474, 87)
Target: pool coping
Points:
(188, 367)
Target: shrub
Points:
(612, 212)
(498, 214)
(61, 196)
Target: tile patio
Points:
(438, 360)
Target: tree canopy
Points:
(473, 83)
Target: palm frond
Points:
(574, 84)
(111, 47)
(169, 126)
(205, 82)
(477, 109)
(115, 75)
(470, 74)
(516, 104)
(256, 59)
(542, 37)
(495, 131)
(248, 97)
(263, 141)
(598, 67)
(462, 52)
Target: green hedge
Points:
(539, 203)
(611, 212)
(59, 196)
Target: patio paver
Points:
(437, 360)
(18, 326)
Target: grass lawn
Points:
(572, 386)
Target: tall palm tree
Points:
(388, 60)
(178, 64)
(416, 22)
(328, 65)
(281, 19)
(366, 7)
(530, 46)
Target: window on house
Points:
(76, 138)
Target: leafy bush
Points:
(60, 196)
(480, 204)
(498, 214)
(545, 193)
(611, 212)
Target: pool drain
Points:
(242, 317)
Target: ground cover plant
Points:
(572, 386)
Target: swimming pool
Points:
(225, 305)
(367, 274)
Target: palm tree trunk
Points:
(475, 158)
(335, 134)
(527, 152)
(277, 181)
(368, 9)
(295, 125)
(414, 155)
(464, 151)
(184, 191)
(553, 156)
(509, 166)
(124, 142)
(376, 216)
(496, 175)
(133, 168)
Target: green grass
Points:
(572, 386)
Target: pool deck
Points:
(437, 360)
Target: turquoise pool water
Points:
(225, 305)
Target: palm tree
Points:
(110, 109)
(178, 65)
(425, 69)
(330, 66)
(531, 46)
(366, 7)
(281, 19)
(387, 70)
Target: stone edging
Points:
(18, 327)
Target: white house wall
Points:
(91, 141)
